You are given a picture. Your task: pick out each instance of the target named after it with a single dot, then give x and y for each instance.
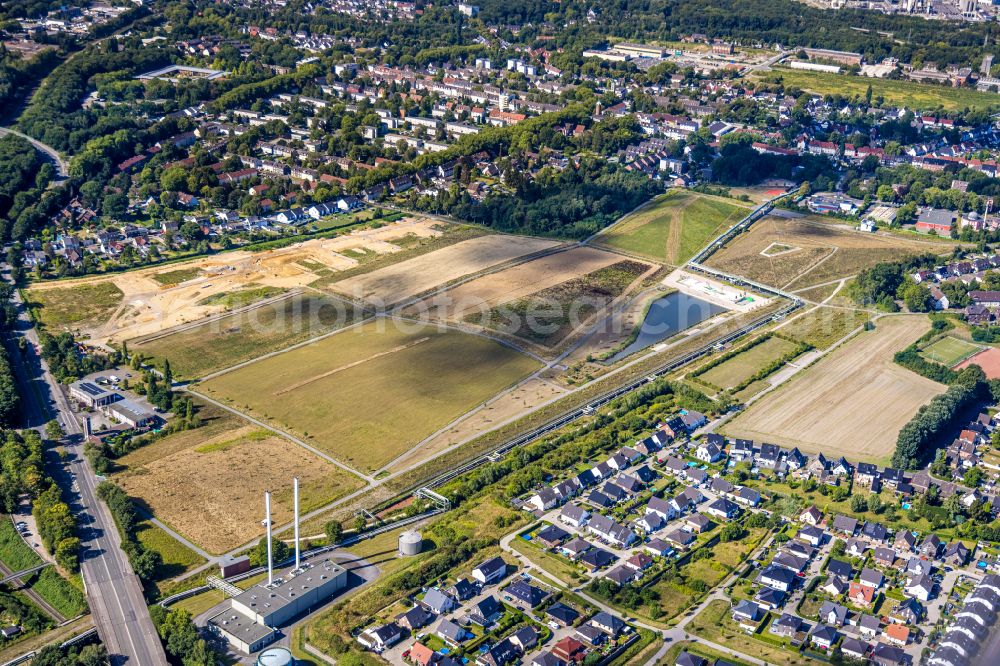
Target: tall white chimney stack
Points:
(296, 499)
(267, 517)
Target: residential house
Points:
(920, 587)
(525, 639)
(778, 578)
(490, 571)
(438, 602)
(833, 614)
(786, 626)
(381, 637)
(861, 595)
(723, 509)
(574, 515)
(823, 636)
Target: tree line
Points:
(918, 438)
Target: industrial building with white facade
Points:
(250, 623)
(254, 615)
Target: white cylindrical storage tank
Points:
(276, 656)
(410, 542)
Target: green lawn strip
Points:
(231, 300)
(900, 93)
(63, 595)
(648, 231)
(700, 650)
(735, 371)
(242, 336)
(14, 552)
(177, 276)
(176, 558)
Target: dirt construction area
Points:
(396, 283)
(208, 483)
(852, 402)
(148, 305)
(812, 251)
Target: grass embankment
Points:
(907, 94)
(674, 227)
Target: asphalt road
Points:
(62, 168)
(113, 590)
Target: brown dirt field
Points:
(988, 360)
(396, 283)
(829, 406)
(208, 483)
(513, 283)
(827, 251)
(148, 307)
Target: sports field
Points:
(369, 393)
(819, 251)
(852, 402)
(199, 349)
(988, 360)
(899, 93)
(823, 326)
(674, 227)
(949, 350)
(744, 365)
(208, 483)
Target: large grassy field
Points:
(59, 307)
(208, 484)
(199, 350)
(674, 227)
(949, 351)
(852, 402)
(823, 326)
(808, 251)
(369, 393)
(744, 365)
(922, 96)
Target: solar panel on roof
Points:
(91, 389)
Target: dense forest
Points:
(572, 203)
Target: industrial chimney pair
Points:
(267, 520)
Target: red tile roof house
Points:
(861, 595)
